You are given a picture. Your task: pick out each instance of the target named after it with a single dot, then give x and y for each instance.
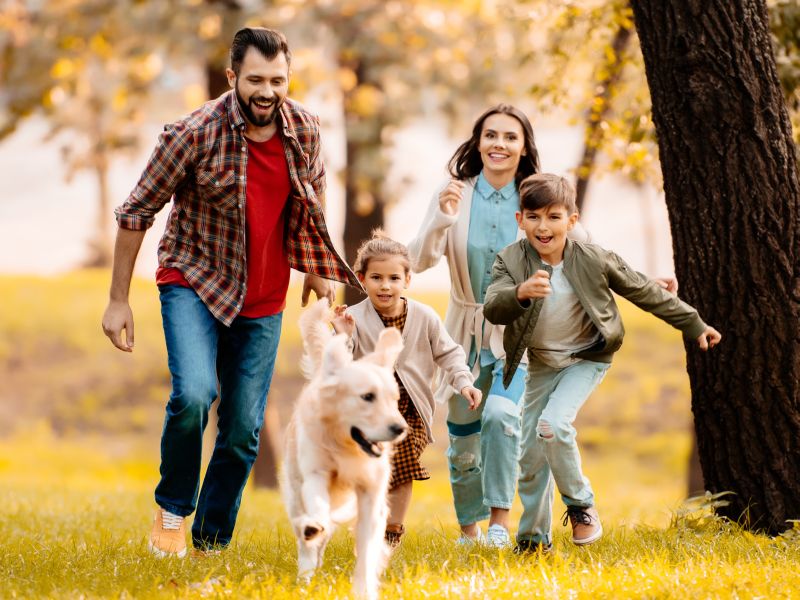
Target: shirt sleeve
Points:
(448, 355)
(171, 160)
(430, 243)
(316, 174)
(501, 305)
(648, 295)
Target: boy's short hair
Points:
(545, 189)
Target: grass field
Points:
(78, 463)
(74, 518)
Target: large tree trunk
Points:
(732, 192)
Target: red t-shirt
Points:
(267, 190)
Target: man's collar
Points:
(286, 119)
(234, 112)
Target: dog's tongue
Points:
(371, 448)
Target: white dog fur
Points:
(338, 447)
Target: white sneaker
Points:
(465, 540)
(497, 537)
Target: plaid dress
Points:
(405, 460)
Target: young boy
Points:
(554, 297)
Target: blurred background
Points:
(87, 85)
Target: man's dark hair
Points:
(545, 189)
(466, 162)
(267, 41)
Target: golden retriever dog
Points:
(338, 446)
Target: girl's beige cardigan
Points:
(426, 346)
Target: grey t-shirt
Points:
(563, 327)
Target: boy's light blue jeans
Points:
(484, 445)
(552, 400)
(202, 353)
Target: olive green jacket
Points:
(594, 274)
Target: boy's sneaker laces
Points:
(576, 514)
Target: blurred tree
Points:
(591, 66)
(730, 176)
(785, 24)
(89, 67)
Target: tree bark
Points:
(695, 485)
(732, 192)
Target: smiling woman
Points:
(469, 221)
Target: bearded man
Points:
(247, 181)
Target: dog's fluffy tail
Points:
(316, 331)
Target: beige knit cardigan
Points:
(426, 347)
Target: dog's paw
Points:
(312, 530)
(309, 528)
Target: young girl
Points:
(383, 267)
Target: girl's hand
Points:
(450, 197)
(472, 395)
(536, 286)
(343, 322)
(709, 338)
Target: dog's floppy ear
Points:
(388, 348)
(336, 356)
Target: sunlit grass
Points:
(79, 462)
(74, 517)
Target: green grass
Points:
(79, 427)
(75, 516)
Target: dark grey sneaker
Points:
(532, 547)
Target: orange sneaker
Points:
(586, 526)
(168, 537)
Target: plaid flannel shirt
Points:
(201, 161)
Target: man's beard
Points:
(248, 111)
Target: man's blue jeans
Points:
(204, 354)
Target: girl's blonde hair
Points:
(380, 245)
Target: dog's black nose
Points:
(397, 429)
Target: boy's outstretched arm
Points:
(709, 338)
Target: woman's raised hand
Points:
(450, 197)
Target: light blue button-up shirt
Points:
(492, 227)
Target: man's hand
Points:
(709, 338)
(472, 395)
(450, 197)
(536, 286)
(342, 321)
(119, 316)
(323, 288)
